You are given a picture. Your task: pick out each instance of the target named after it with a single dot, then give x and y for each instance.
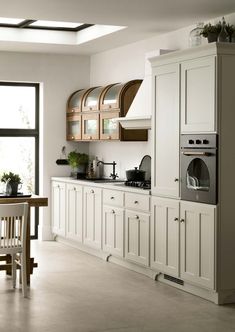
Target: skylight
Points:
(11, 21)
(55, 24)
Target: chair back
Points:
(13, 225)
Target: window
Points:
(19, 137)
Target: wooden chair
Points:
(13, 228)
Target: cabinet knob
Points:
(90, 137)
(182, 220)
(92, 191)
(73, 110)
(111, 197)
(90, 108)
(72, 137)
(109, 137)
(136, 202)
(113, 212)
(176, 219)
(74, 188)
(176, 180)
(137, 217)
(110, 106)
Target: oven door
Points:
(199, 175)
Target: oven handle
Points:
(196, 153)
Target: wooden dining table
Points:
(33, 201)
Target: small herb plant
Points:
(11, 177)
(75, 159)
(209, 28)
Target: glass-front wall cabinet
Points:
(74, 125)
(90, 126)
(91, 100)
(109, 127)
(75, 101)
(110, 98)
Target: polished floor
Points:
(75, 292)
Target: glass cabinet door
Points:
(91, 100)
(75, 101)
(109, 128)
(74, 128)
(110, 99)
(90, 126)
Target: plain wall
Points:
(59, 76)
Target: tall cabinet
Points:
(193, 93)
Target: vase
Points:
(195, 38)
(212, 37)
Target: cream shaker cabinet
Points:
(74, 215)
(92, 217)
(58, 207)
(198, 95)
(183, 240)
(165, 161)
(165, 237)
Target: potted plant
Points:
(12, 182)
(78, 162)
(211, 32)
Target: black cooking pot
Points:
(135, 175)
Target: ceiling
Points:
(142, 18)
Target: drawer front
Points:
(137, 202)
(113, 197)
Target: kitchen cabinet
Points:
(137, 237)
(198, 91)
(113, 230)
(92, 217)
(165, 236)
(183, 240)
(197, 233)
(74, 212)
(109, 127)
(74, 127)
(165, 161)
(90, 126)
(74, 104)
(91, 100)
(58, 199)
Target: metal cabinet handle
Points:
(113, 212)
(182, 220)
(74, 188)
(90, 137)
(109, 137)
(176, 219)
(72, 137)
(136, 202)
(72, 110)
(176, 180)
(92, 191)
(137, 217)
(111, 197)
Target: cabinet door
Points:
(58, 208)
(109, 128)
(198, 109)
(90, 126)
(165, 235)
(137, 237)
(74, 126)
(92, 217)
(197, 233)
(165, 161)
(74, 212)
(113, 223)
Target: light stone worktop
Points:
(114, 186)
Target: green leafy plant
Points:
(11, 177)
(209, 28)
(75, 159)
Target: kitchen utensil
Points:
(135, 174)
(145, 165)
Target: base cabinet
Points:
(183, 240)
(92, 217)
(137, 237)
(165, 236)
(113, 230)
(58, 208)
(74, 212)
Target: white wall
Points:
(127, 63)
(59, 76)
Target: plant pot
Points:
(12, 188)
(212, 37)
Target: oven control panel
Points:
(199, 141)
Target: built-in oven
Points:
(199, 168)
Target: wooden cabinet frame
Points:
(109, 115)
(86, 117)
(78, 119)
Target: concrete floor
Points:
(75, 292)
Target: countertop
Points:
(110, 185)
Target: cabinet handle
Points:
(176, 219)
(72, 137)
(92, 191)
(137, 217)
(113, 212)
(58, 186)
(110, 106)
(182, 220)
(111, 197)
(74, 188)
(109, 137)
(73, 110)
(136, 202)
(90, 137)
(90, 108)
(176, 180)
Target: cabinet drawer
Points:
(136, 201)
(113, 197)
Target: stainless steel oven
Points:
(199, 168)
